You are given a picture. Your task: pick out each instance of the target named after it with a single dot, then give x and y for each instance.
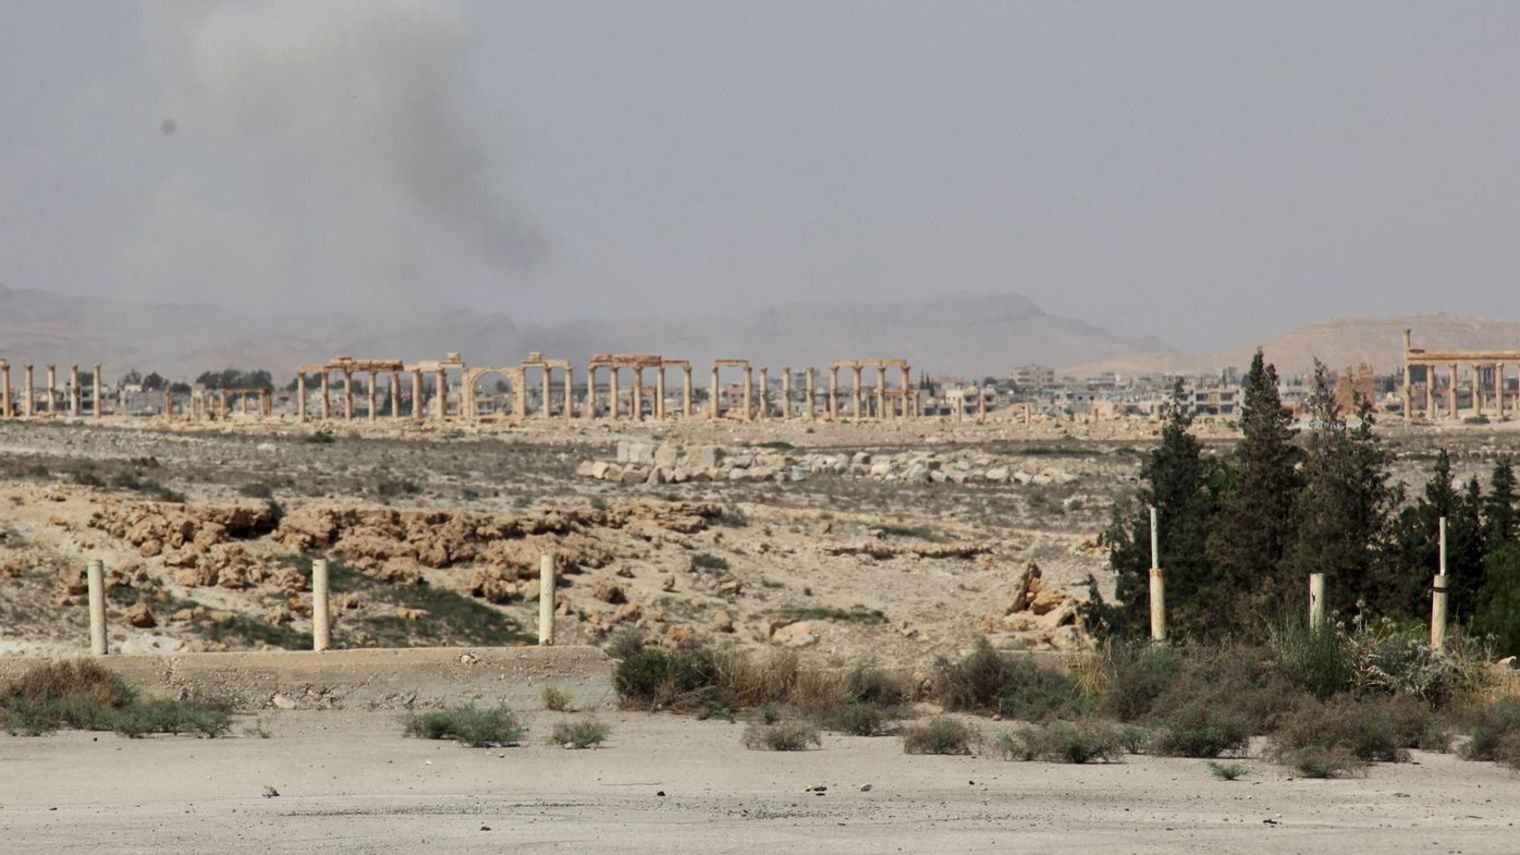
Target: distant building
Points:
(1029, 377)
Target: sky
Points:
(1210, 173)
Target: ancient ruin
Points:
(1484, 369)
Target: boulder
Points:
(803, 633)
(141, 617)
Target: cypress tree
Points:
(1255, 524)
(1499, 507)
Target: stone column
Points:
(1451, 393)
(548, 394)
(1430, 391)
(96, 390)
(417, 394)
(590, 412)
(569, 391)
(29, 404)
(909, 395)
(749, 393)
(714, 396)
(74, 395)
(786, 392)
(1499, 388)
(443, 394)
(1408, 390)
(686, 392)
(348, 395)
(519, 395)
(5, 391)
(374, 395)
(613, 392)
(52, 391)
(326, 396)
(659, 392)
(981, 405)
(833, 393)
(395, 394)
(960, 406)
(168, 402)
(1477, 389)
(636, 395)
(763, 410)
(856, 391)
(300, 396)
(807, 385)
(881, 392)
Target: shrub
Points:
(1137, 678)
(986, 681)
(657, 678)
(1398, 660)
(556, 699)
(83, 695)
(583, 733)
(1496, 733)
(1365, 730)
(752, 679)
(1228, 771)
(857, 719)
(477, 728)
(1200, 729)
(1063, 742)
(257, 490)
(1319, 661)
(938, 736)
(1317, 761)
(708, 561)
(320, 437)
(625, 643)
(781, 736)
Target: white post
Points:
(1316, 601)
(1438, 599)
(95, 576)
(546, 600)
(321, 614)
(1158, 586)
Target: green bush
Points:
(988, 682)
(1137, 678)
(1496, 733)
(857, 719)
(1320, 661)
(477, 728)
(781, 736)
(1081, 741)
(582, 733)
(656, 678)
(83, 695)
(1228, 771)
(1366, 730)
(1200, 730)
(938, 736)
(1497, 612)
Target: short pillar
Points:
(764, 399)
(659, 392)
(546, 574)
(1158, 586)
(1316, 601)
(613, 393)
(1438, 598)
(714, 396)
(95, 578)
(321, 610)
(95, 389)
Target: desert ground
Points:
(348, 779)
(896, 543)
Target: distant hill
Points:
(1340, 343)
(954, 333)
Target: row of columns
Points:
(1454, 387)
(52, 397)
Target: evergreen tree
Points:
(1465, 551)
(1497, 612)
(1413, 556)
(1255, 524)
(1179, 482)
(1499, 507)
(1342, 512)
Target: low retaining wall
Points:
(369, 678)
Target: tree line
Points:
(1239, 533)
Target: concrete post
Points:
(1438, 598)
(95, 578)
(321, 609)
(1158, 586)
(1316, 601)
(546, 600)
(95, 389)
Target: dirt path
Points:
(349, 781)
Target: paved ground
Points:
(349, 781)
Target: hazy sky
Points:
(1207, 172)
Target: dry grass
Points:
(781, 736)
(938, 736)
